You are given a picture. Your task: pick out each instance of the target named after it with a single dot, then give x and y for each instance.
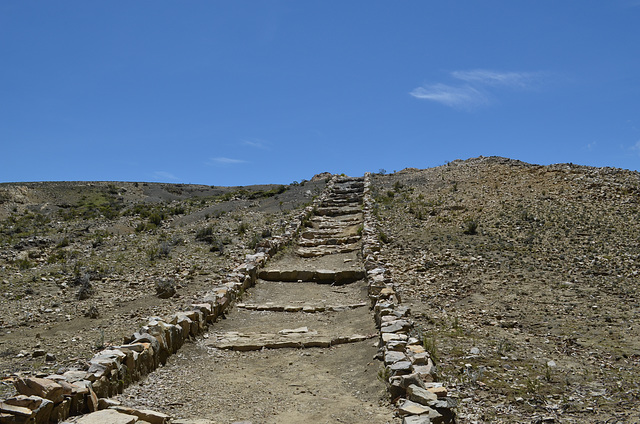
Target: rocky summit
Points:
(481, 291)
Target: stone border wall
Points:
(56, 397)
(409, 369)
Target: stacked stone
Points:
(409, 369)
(57, 397)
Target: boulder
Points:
(417, 419)
(421, 396)
(42, 387)
(41, 407)
(400, 367)
(391, 357)
(408, 407)
(15, 414)
(61, 411)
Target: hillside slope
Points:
(525, 278)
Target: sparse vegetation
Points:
(165, 288)
(470, 227)
(551, 252)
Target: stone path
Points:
(293, 342)
(298, 347)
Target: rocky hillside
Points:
(525, 280)
(83, 264)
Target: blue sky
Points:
(247, 92)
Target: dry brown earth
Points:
(54, 237)
(535, 317)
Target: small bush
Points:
(156, 218)
(23, 263)
(57, 256)
(217, 247)
(163, 250)
(165, 289)
(242, 228)
(255, 240)
(384, 373)
(205, 234)
(92, 312)
(86, 290)
(429, 344)
(470, 227)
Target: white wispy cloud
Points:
(227, 160)
(475, 87)
(255, 142)
(461, 97)
(165, 175)
(636, 147)
(485, 77)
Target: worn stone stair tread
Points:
(312, 252)
(299, 308)
(330, 233)
(234, 340)
(342, 210)
(318, 275)
(319, 243)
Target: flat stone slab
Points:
(313, 252)
(334, 241)
(107, 416)
(299, 308)
(342, 210)
(319, 275)
(288, 338)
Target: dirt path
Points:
(236, 372)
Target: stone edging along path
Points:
(409, 369)
(57, 397)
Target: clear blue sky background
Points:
(244, 92)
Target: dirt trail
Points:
(229, 376)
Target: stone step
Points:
(339, 219)
(306, 308)
(296, 338)
(327, 233)
(334, 211)
(315, 252)
(334, 241)
(341, 202)
(319, 276)
(355, 183)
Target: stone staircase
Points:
(331, 234)
(311, 297)
(337, 223)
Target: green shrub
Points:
(23, 263)
(242, 228)
(205, 234)
(165, 288)
(470, 227)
